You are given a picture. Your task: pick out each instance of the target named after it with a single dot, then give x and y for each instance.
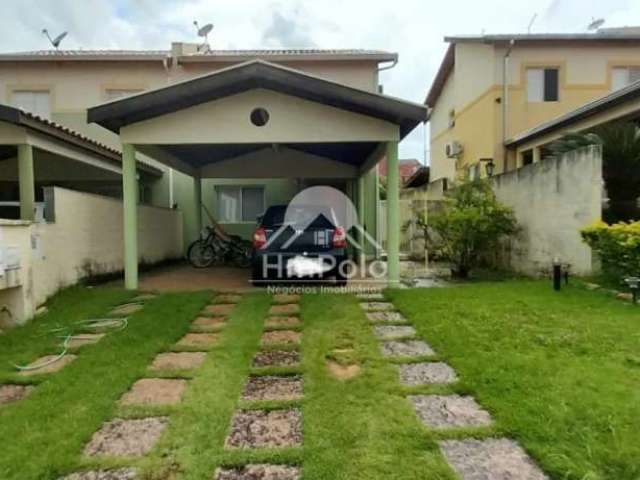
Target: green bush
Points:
(618, 246)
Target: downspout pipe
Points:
(505, 99)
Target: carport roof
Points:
(251, 75)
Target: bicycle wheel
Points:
(200, 254)
(241, 256)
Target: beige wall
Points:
(553, 199)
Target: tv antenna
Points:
(56, 41)
(595, 24)
(533, 19)
(204, 33)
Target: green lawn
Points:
(559, 372)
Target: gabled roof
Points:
(630, 92)
(446, 67)
(21, 118)
(250, 75)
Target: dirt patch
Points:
(386, 317)
(284, 298)
(262, 429)
(103, 325)
(144, 297)
(377, 306)
(155, 391)
(228, 298)
(343, 372)
(281, 337)
(199, 340)
(126, 438)
(209, 323)
(286, 309)
(119, 474)
(449, 411)
(14, 393)
(126, 309)
(273, 388)
(259, 472)
(221, 309)
(178, 361)
(370, 296)
(49, 367)
(78, 341)
(282, 322)
(407, 348)
(388, 332)
(426, 373)
(276, 358)
(494, 458)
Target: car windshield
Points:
(298, 216)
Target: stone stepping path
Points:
(47, 367)
(77, 341)
(430, 373)
(118, 474)
(282, 322)
(285, 309)
(388, 332)
(386, 317)
(281, 337)
(199, 340)
(370, 296)
(229, 298)
(406, 348)
(220, 309)
(493, 458)
(178, 361)
(276, 358)
(265, 429)
(155, 391)
(259, 472)
(285, 298)
(273, 388)
(449, 411)
(377, 306)
(126, 309)
(14, 393)
(209, 324)
(126, 437)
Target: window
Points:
(34, 101)
(527, 157)
(542, 85)
(239, 204)
(117, 93)
(623, 76)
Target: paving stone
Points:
(117, 474)
(155, 391)
(386, 317)
(426, 373)
(406, 348)
(178, 360)
(449, 411)
(50, 368)
(370, 296)
(77, 341)
(273, 388)
(276, 358)
(278, 337)
(126, 309)
(220, 308)
(265, 429)
(126, 437)
(377, 306)
(286, 298)
(490, 459)
(198, 340)
(209, 323)
(259, 472)
(282, 322)
(393, 332)
(286, 309)
(14, 393)
(101, 325)
(228, 298)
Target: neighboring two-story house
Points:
(491, 88)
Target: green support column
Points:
(361, 217)
(393, 215)
(26, 181)
(130, 211)
(197, 192)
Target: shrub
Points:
(618, 246)
(469, 225)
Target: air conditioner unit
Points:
(453, 149)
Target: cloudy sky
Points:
(413, 28)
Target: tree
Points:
(470, 224)
(620, 143)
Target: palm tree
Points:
(620, 143)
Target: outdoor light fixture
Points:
(489, 166)
(634, 284)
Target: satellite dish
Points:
(595, 24)
(204, 33)
(56, 41)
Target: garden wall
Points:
(553, 199)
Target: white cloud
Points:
(413, 28)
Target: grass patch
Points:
(559, 372)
